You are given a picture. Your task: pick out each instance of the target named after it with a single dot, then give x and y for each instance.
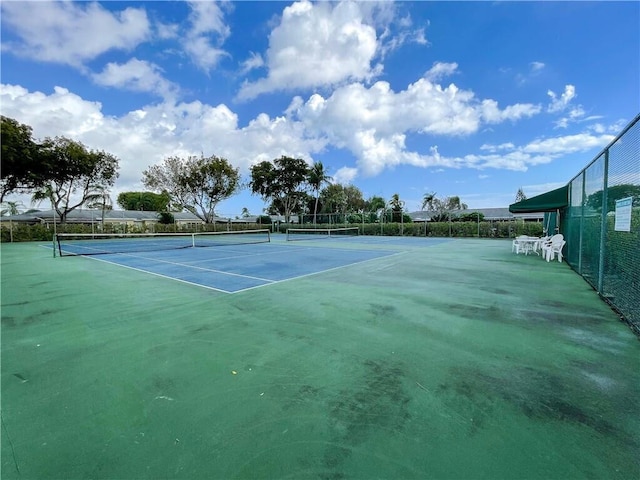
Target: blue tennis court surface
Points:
(237, 268)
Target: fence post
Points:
(582, 194)
(603, 226)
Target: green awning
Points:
(546, 202)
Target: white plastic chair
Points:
(553, 248)
(547, 242)
(517, 246)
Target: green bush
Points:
(40, 232)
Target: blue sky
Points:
(473, 99)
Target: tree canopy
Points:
(615, 192)
(337, 198)
(520, 195)
(442, 208)
(78, 175)
(196, 184)
(375, 203)
(145, 201)
(22, 165)
(282, 182)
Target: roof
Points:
(547, 202)
(89, 215)
(502, 213)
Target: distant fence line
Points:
(608, 257)
(19, 232)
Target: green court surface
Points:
(450, 360)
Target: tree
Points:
(145, 201)
(397, 206)
(520, 195)
(79, 174)
(454, 203)
(316, 179)
(441, 209)
(245, 212)
(166, 218)
(374, 204)
(100, 199)
(428, 200)
(282, 183)
(615, 192)
(196, 184)
(354, 199)
(11, 208)
(22, 166)
(334, 199)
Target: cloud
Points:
(146, 136)
(71, 33)
(539, 151)
(208, 17)
(536, 67)
(372, 122)
(345, 175)
(315, 45)
(251, 63)
(207, 33)
(138, 76)
(560, 103)
(439, 70)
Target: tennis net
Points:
(101, 244)
(319, 233)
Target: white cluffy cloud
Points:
(562, 104)
(136, 75)
(317, 44)
(559, 103)
(372, 122)
(72, 33)
(207, 33)
(146, 136)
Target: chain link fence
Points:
(602, 232)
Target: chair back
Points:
(558, 237)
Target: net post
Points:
(193, 240)
(53, 244)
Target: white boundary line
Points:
(161, 275)
(193, 266)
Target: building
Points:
(127, 219)
(489, 215)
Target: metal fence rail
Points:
(608, 258)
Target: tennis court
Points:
(359, 357)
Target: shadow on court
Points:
(408, 359)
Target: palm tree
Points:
(12, 208)
(100, 199)
(428, 200)
(396, 207)
(245, 212)
(316, 178)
